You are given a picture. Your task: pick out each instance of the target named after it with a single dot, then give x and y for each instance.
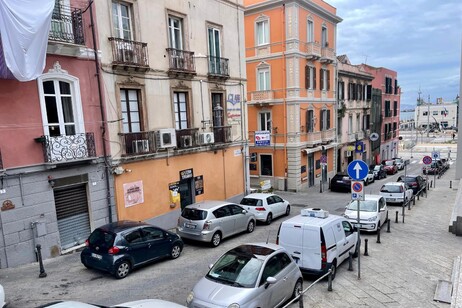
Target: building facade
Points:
(386, 80)
(354, 92)
(291, 68)
(55, 184)
(174, 78)
(435, 116)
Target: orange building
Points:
(291, 82)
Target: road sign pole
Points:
(359, 242)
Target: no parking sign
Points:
(357, 190)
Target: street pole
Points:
(428, 117)
(359, 241)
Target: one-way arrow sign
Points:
(357, 170)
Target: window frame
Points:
(265, 38)
(139, 111)
(176, 115)
(120, 32)
(267, 80)
(172, 42)
(266, 126)
(309, 30)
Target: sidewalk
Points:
(404, 268)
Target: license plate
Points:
(190, 226)
(391, 199)
(96, 256)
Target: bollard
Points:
(329, 183)
(431, 183)
(413, 201)
(378, 235)
(388, 225)
(403, 213)
(418, 196)
(350, 261)
(396, 218)
(365, 247)
(42, 269)
(300, 300)
(408, 204)
(329, 281)
(450, 184)
(320, 187)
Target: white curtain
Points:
(24, 28)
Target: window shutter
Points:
(369, 92)
(307, 77)
(328, 80)
(328, 119)
(321, 72)
(321, 120)
(350, 92)
(314, 78)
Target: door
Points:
(278, 204)
(240, 219)
(186, 192)
(225, 219)
(310, 170)
(350, 240)
(214, 51)
(137, 247)
(276, 291)
(158, 244)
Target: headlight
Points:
(372, 218)
(190, 297)
(234, 305)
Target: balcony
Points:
(66, 25)
(186, 138)
(313, 138)
(181, 62)
(262, 97)
(328, 135)
(327, 55)
(218, 68)
(65, 149)
(313, 50)
(222, 134)
(139, 143)
(129, 55)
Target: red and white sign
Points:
(427, 160)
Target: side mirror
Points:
(244, 211)
(270, 280)
(210, 265)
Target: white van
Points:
(318, 241)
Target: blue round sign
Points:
(357, 170)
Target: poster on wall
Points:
(199, 184)
(233, 108)
(133, 193)
(175, 197)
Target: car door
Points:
(279, 204)
(225, 220)
(158, 244)
(274, 293)
(382, 207)
(240, 219)
(137, 248)
(351, 238)
(271, 206)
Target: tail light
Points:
(207, 225)
(413, 184)
(87, 243)
(260, 209)
(323, 253)
(401, 189)
(113, 250)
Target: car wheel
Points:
(122, 270)
(288, 210)
(175, 252)
(333, 268)
(298, 289)
(269, 218)
(216, 239)
(251, 226)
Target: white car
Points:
(143, 303)
(396, 192)
(372, 212)
(266, 206)
(2, 297)
(370, 178)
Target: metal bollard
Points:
(450, 184)
(42, 269)
(365, 247)
(408, 204)
(413, 201)
(431, 183)
(388, 225)
(329, 281)
(329, 183)
(350, 261)
(418, 196)
(378, 236)
(396, 218)
(403, 213)
(300, 300)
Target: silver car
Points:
(212, 221)
(250, 275)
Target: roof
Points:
(259, 195)
(372, 197)
(312, 221)
(208, 204)
(121, 225)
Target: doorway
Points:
(185, 189)
(310, 170)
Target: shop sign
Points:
(186, 174)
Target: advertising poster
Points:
(133, 193)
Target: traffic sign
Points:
(324, 159)
(357, 190)
(374, 137)
(359, 147)
(427, 160)
(436, 155)
(357, 170)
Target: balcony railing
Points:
(186, 138)
(126, 53)
(66, 25)
(139, 143)
(262, 95)
(314, 138)
(328, 135)
(218, 67)
(181, 61)
(313, 50)
(327, 54)
(222, 134)
(60, 149)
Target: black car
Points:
(436, 167)
(121, 246)
(340, 182)
(379, 171)
(416, 182)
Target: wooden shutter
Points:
(314, 79)
(321, 120)
(328, 80)
(328, 119)
(321, 86)
(307, 77)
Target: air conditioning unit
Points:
(186, 141)
(206, 138)
(315, 212)
(166, 138)
(140, 146)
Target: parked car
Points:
(445, 163)
(265, 207)
(317, 240)
(121, 246)
(379, 172)
(370, 178)
(249, 275)
(436, 167)
(390, 166)
(400, 162)
(3, 302)
(396, 192)
(143, 303)
(372, 212)
(341, 182)
(416, 182)
(212, 221)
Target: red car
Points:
(390, 166)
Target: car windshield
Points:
(194, 214)
(102, 239)
(389, 163)
(392, 189)
(236, 269)
(398, 160)
(377, 168)
(251, 202)
(364, 206)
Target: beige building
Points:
(173, 77)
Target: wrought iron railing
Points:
(222, 134)
(126, 52)
(1, 161)
(181, 60)
(60, 149)
(218, 66)
(139, 143)
(67, 25)
(186, 138)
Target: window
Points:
(122, 20)
(325, 119)
(358, 122)
(235, 209)
(152, 234)
(325, 80)
(310, 77)
(350, 124)
(310, 121)
(130, 107)
(262, 32)
(387, 109)
(180, 108)
(214, 50)
(133, 237)
(264, 120)
(341, 90)
(175, 32)
(222, 212)
(263, 79)
(310, 31)
(395, 108)
(218, 110)
(388, 85)
(366, 121)
(272, 268)
(396, 86)
(324, 42)
(266, 165)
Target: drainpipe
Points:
(284, 76)
(103, 118)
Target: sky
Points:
(419, 39)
